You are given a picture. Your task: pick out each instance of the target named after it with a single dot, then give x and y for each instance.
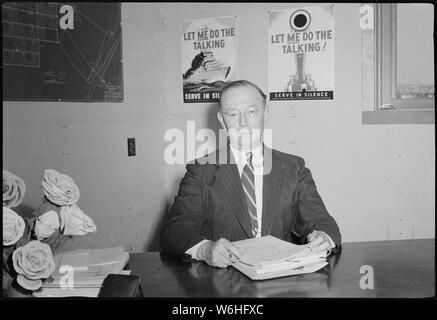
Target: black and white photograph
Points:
(209, 159)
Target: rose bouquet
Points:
(30, 243)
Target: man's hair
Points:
(239, 84)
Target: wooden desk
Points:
(402, 268)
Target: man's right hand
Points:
(220, 253)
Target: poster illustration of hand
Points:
(301, 53)
(208, 57)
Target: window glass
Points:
(415, 51)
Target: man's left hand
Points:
(319, 240)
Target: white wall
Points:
(377, 181)
(88, 141)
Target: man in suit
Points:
(245, 190)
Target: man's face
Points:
(243, 115)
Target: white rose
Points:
(59, 188)
(33, 262)
(14, 189)
(13, 227)
(75, 222)
(46, 224)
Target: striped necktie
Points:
(248, 180)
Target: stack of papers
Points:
(82, 272)
(269, 257)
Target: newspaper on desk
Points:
(81, 272)
(269, 257)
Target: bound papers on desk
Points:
(82, 272)
(269, 257)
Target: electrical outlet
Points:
(131, 147)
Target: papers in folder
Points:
(269, 257)
(88, 269)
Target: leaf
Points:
(7, 280)
(46, 206)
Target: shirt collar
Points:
(241, 158)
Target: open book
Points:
(269, 257)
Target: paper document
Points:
(82, 272)
(269, 257)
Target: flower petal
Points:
(13, 227)
(34, 261)
(29, 284)
(14, 189)
(60, 188)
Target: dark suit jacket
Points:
(211, 203)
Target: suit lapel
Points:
(272, 186)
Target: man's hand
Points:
(319, 240)
(220, 253)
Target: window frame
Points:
(378, 44)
